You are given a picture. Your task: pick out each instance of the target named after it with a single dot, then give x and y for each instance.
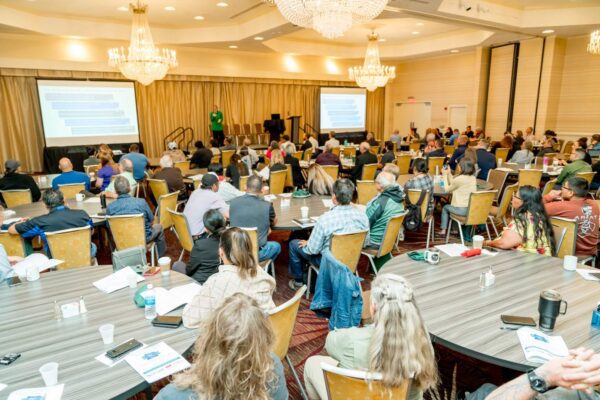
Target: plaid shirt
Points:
(341, 219)
(422, 182)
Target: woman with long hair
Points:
(106, 171)
(396, 345)
(238, 273)
(318, 181)
(507, 142)
(235, 169)
(461, 186)
(277, 163)
(530, 229)
(204, 258)
(232, 358)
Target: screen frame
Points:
(343, 87)
(137, 114)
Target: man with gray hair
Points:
(126, 170)
(328, 158)
(127, 205)
(365, 157)
(172, 176)
(576, 165)
(386, 204)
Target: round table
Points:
(437, 188)
(465, 318)
(286, 215)
(39, 208)
(29, 328)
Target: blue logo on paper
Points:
(150, 356)
(538, 337)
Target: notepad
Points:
(304, 223)
(168, 300)
(539, 347)
(156, 362)
(453, 250)
(35, 260)
(92, 200)
(117, 280)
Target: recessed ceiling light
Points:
(548, 31)
(199, 17)
(415, 33)
(123, 8)
(259, 38)
(420, 24)
(382, 39)
(233, 46)
(222, 4)
(169, 8)
(454, 51)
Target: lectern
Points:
(295, 128)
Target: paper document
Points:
(539, 347)
(328, 203)
(11, 221)
(304, 223)
(586, 274)
(453, 250)
(44, 393)
(504, 169)
(156, 362)
(92, 200)
(35, 260)
(117, 280)
(270, 197)
(264, 173)
(196, 177)
(168, 300)
(2, 386)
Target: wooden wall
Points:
(501, 64)
(528, 78)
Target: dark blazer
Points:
(15, 181)
(363, 159)
(201, 158)
(388, 157)
(297, 176)
(204, 259)
(458, 153)
(486, 161)
(437, 153)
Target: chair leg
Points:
(494, 226)
(372, 262)
(181, 255)
(448, 228)
(296, 378)
(462, 239)
(487, 228)
(308, 282)
(429, 232)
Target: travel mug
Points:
(549, 308)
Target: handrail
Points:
(172, 135)
(306, 124)
(191, 139)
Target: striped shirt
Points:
(341, 219)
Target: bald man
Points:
(68, 176)
(365, 157)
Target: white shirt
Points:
(314, 142)
(333, 142)
(286, 144)
(228, 192)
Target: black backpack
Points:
(413, 220)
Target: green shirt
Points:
(216, 121)
(572, 169)
(377, 230)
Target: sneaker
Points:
(294, 285)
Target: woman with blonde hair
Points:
(232, 358)
(277, 163)
(318, 181)
(396, 345)
(239, 273)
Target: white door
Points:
(457, 117)
(409, 115)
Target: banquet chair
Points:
(569, 242)
(568, 148)
(588, 176)
(247, 129)
(258, 129)
(374, 149)
(226, 130)
(345, 384)
(298, 155)
(559, 236)
(16, 197)
(478, 211)
(289, 180)
(14, 245)
(390, 237)
(332, 171)
(159, 188)
(433, 162)
(449, 148)
(91, 168)
(243, 182)
(129, 231)
(277, 182)
(237, 129)
(308, 154)
(166, 202)
(368, 172)
(502, 154)
(215, 159)
(266, 264)
(226, 157)
(497, 178)
(336, 150)
(182, 231)
(73, 246)
(283, 319)
(413, 196)
(70, 190)
(550, 157)
(184, 166)
(502, 209)
(349, 152)
(403, 162)
(366, 191)
(531, 177)
(415, 146)
(548, 187)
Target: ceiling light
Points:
(593, 46)
(199, 17)
(454, 51)
(372, 74)
(548, 31)
(233, 46)
(382, 39)
(420, 24)
(258, 38)
(169, 8)
(122, 8)
(222, 4)
(415, 33)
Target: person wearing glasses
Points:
(530, 230)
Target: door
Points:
(457, 117)
(408, 115)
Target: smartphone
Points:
(167, 321)
(14, 281)
(123, 348)
(515, 320)
(152, 271)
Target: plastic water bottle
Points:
(150, 303)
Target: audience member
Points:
(106, 172)
(239, 273)
(306, 144)
(228, 144)
(529, 135)
(412, 136)
(388, 155)
(437, 150)
(68, 176)
(104, 148)
(127, 205)
(232, 358)
(421, 180)
(594, 149)
(252, 155)
(454, 136)
(519, 140)
(92, 157)
(396, 345)
(461, 187)
(576, 165)
(14, 180)
(469, 132)
(448, 133)
(287, 143)
(388, 203)
(461, 142)
(396, 138)
(226, 190)
(547, 148)
(365, 157)
(272, 146)
(332, 140)
(139, 161)
(525, 155)
(214, 147)
(429, 143)
(277, 163)
(176, 154)
(297, 177)
(236, 169)
(530, 230)
(171, 175)
(201, 157)
(371, 139)
(314, 142)
(318, 181)
(507, 142)
(327, 157)
(204, 258)
(595, 181)
(393, 169)
(203, 199)
(581, 144)
(6, 270)
(571, 202)
(342, 218)
(479, 134)
(125, 170)
(486, 161)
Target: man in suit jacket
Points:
(365, 157)
(297, 176)
(486, 161)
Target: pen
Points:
(509, 328)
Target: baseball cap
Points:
(12, 165)
(208, 180)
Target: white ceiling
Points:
(544, 4)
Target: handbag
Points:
(134, 257)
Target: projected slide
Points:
(88, 112)
(343, 109)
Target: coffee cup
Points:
(165, 265)
(432, 256)
(570, 263)
(499, 162)
(304, 212)
(79, 196)
(49, 373)
(549, 308)
(477, 242)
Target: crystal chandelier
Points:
(331, 18)
(143, 62)
(593, 46)
(372, 74)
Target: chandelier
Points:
(372, 74)
(143, 62)
(593, 46)
(331, 18)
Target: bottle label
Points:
(150, 301)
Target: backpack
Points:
(413, 220)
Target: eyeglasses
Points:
(567, 188)
(516, 196)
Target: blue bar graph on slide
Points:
(342, 111)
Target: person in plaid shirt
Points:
(422, 180)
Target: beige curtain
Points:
(167, 104)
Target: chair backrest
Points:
(345, 384)
(559, 236)
(403, 162)
(73, 246)
(346, 247)
(502, 154)
(237, 129)
(548, 186)
(182, 228)
(449, 148)
(366, 191)
(368, 172)
(17, 197)
(247, 129)
(215, 159)
(158, 187)
(530, 177)
(226, 157)
(289, 180)
(332, 171)
(70, 190)
(336, 151)
(349, 151)
(588, 176)
(283, 319)
(433, 162)
(568, 148)
(253, 233)
(374, 149)
(244, 182)
(415, 146)
(226, 129)
(390, 235)
(277, 181)
(298, 155)
(569, 241)
(14, 245)
(550, 157)
(497, 178)
(480, 204)
(184, 166)
(308, 154)
(166, 202)
(506, 200)
(413, 196)
(127, 230)
(91, 168)
(258, 128)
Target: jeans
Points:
(269, 251)
(93, 250)
(451, 209)
(158, 236)
(298, 260)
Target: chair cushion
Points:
(458, 218)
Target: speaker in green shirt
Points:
(216, 125)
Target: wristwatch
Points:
(536, 382)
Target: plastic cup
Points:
(477, 242)
(570, 263)
(49, 373)
(304, 212)
(499, 162)
(165, 265)
(107, 332)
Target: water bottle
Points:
(150, 303)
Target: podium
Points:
(294, 128)
(274, 126)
